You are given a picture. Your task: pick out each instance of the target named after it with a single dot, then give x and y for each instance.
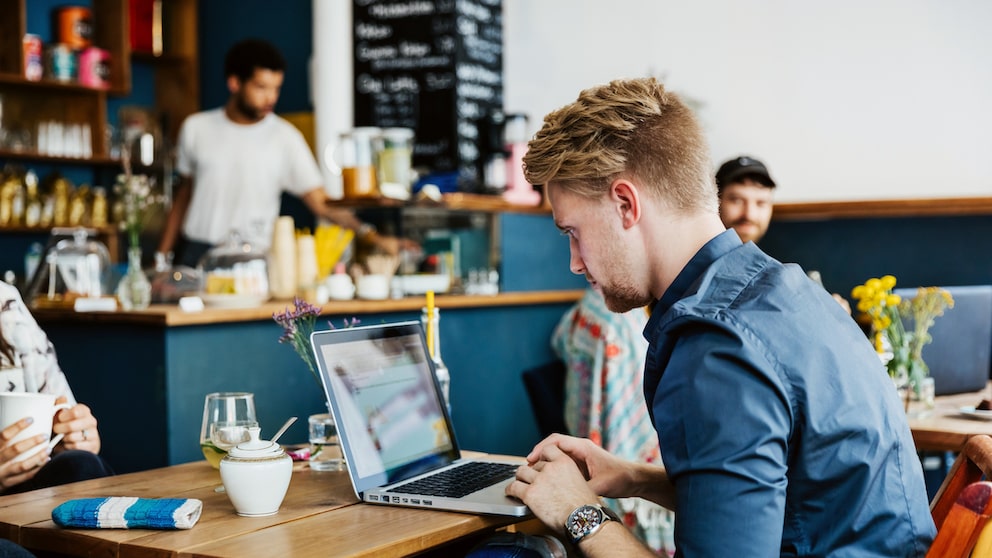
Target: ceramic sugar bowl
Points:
(256, 475)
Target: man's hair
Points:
(250, 54)
(633, 129)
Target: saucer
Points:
(972, 412)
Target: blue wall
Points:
(918, 251)
(286, 24)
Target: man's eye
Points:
(568, 232)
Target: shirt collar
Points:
(709, 253)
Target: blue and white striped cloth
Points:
(121, 512)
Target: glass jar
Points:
(234, 274)
(74, 266)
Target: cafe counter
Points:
(145, 373)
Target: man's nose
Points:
(575, 263)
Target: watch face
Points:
(584, 520)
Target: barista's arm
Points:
(177, 214)
(322, 205)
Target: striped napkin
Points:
(121, 512)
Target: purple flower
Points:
(297, 325)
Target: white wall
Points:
(843, 100)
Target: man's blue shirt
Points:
(778, 425)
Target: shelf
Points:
(49, 85)
(37, 157)
(455, 201)
(175, 74)
(104, 230)
(165, 58)
(936, 207)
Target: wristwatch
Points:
(587, 520)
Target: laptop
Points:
(960, 354)
(394, 428)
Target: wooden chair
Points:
(963, 504)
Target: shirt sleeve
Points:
(185, 149)
(724, 424)
(303, 172)
(33, 352)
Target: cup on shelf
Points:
(340, 286)
(373, 287)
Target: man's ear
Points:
(624, 194)
(233, 83)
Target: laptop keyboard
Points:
(459, 481)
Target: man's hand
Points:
(79, 426)
(12, 473)
(552, 486)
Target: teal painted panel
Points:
(119, 372)
(535, 255)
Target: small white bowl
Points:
(373, 287)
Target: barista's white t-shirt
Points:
(239, 172)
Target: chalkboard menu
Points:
(435, 66)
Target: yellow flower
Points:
(887, 311)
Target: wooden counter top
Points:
(170, 315)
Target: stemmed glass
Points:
(226, 419)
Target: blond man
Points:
(779, 431)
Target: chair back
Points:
(963, 503)
(545, 387)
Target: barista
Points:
(235, 161)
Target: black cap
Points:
(742, 167)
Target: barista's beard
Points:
(249, 112)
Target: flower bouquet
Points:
(297, 325)
(134, 194)
(899, 327)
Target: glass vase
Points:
(134, 291)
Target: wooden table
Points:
(319, 517)
(945, 428)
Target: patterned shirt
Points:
(27, 358)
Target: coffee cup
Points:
(41, 407)
(373, 287)
(340, 286)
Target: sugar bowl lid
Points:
(255, 449)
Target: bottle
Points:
(60, 211)
(78, 206)
(98, 217)
(32, 201)
(430, 323)
(17, 201)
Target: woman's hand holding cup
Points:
(78, 427)
(12, 470)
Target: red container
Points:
(146, 26)
(74, 26)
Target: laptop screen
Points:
(384, 396)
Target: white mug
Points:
(15, 406)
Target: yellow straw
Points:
(430, 322)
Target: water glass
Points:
(227, 417)
(928, 392)
(325, 449)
